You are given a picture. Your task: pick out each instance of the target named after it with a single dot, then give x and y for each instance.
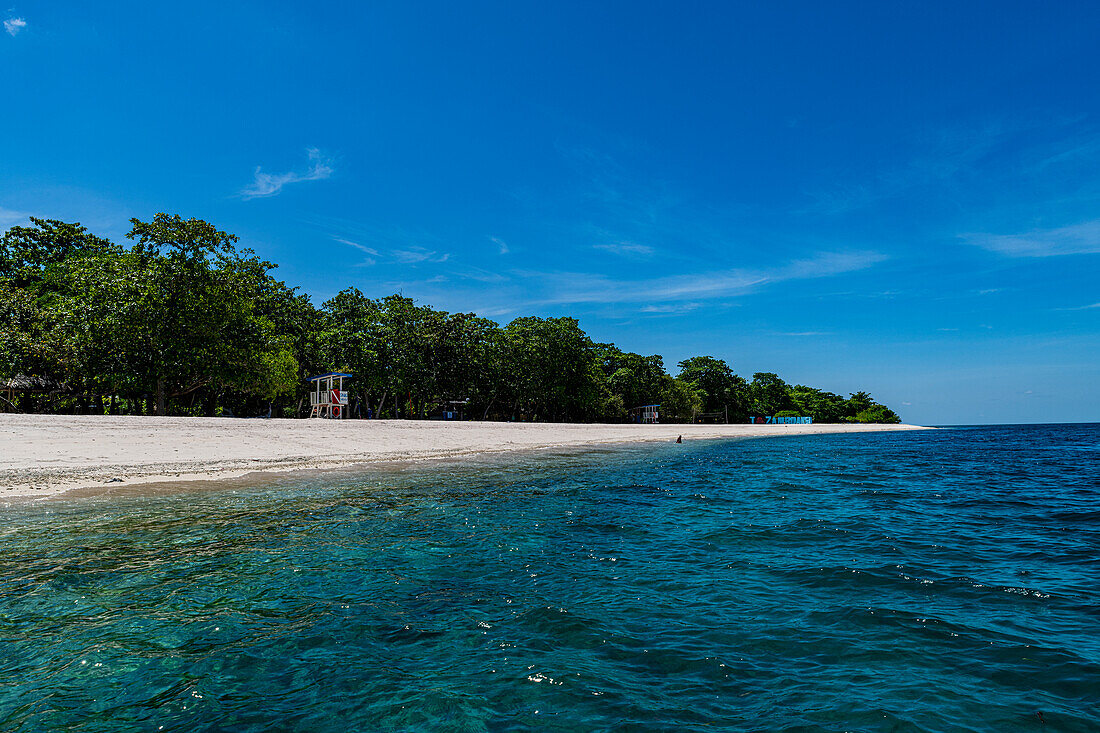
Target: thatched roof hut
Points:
(29, 383)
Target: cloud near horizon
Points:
(14, 25)
(1077, 239)
(271, 184)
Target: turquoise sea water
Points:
(943, 581)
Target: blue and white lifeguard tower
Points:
(328, 398)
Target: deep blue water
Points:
(944, 581)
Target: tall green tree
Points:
(680, 400)
(33, 292)
(29, 255)
(639, 380)
(178, 312)
(29, 343)
(297, 323)
(823, 407)
(352, 341)
(721, 389)
(858, 402)
(553, 374)
(468, 349)
(769, 393)
(877, 414)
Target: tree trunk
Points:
(162, 397)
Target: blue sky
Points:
(899, 197)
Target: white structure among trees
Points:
(328, 398)
(646, 414)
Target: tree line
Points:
(183, 321)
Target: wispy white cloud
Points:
(668, 309)
(478, 274)
(494, 311)
(504, 249)
(366, 262)
(369, 250)
(10, 217)
(414, 255)
(626, 249)
(1077, 239)
(589, 288)
(1074, 151)
(806, 333)
(270, 184)
(410, 256)
(1080, 307)
(386, 246)
(616, 210)
(517, 291)
(14, 25)
(938, 157)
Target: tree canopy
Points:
(184, 321)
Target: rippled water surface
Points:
(945, 580)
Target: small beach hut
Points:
(646, 414)
(328, 398)
(21, 387)
(453, 409)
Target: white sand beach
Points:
(46, 455)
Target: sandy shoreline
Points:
(46, 455)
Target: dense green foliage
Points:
(184, 322)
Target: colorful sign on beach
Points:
(772, 420)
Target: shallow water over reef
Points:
(945, 580)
